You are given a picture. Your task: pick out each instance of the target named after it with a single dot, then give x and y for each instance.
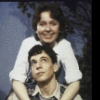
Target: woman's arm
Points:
(71, 91)
(72, 72)
(19, 73)
(20, 90)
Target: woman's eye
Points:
(53, 24)
(42, 24)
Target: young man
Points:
(43, 67)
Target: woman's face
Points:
(47, 28)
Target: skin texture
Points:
(47, 30)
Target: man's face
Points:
(42, 67)
(47, 28)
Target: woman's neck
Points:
(51, 45)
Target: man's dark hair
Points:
(37, 49)
(56, 13)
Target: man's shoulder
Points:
(62, 88)
(62, 85)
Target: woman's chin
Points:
(47, 41)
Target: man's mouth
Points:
(40, 73)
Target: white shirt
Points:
(65, 55)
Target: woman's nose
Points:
(47, 28)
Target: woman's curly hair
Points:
(56, 13)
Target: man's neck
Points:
(47, 89)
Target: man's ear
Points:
(55, 66)
(36, 32)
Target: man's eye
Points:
(44, 60)
(33, 63)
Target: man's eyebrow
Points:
(33, 60)
(44, 57)
(40, 58)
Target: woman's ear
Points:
(55, 66)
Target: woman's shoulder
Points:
(64, 42)
(30, 40)
(62, 45)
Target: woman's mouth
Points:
(48, 36)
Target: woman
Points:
(49, 25)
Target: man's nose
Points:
(38, 65)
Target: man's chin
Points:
(41, 82)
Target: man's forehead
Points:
(43, 54)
